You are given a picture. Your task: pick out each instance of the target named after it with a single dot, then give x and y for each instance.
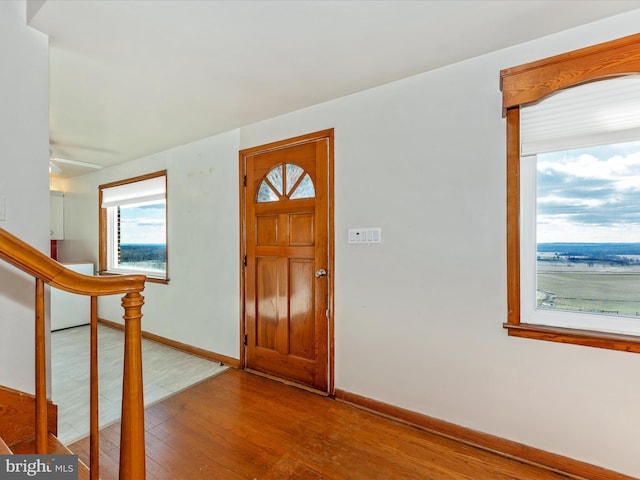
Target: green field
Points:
(615, 293)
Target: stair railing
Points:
(47, 271)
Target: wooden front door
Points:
(286, 230)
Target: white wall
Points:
(24, 181)
(419, 317)
(200, 305)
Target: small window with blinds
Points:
(133, 226)
(580, 208)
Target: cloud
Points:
(582, 189)
(143, 224)
(153, 206)
(147, 222)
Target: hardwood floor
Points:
(242, 426)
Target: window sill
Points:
(611, 341)
(164, 281)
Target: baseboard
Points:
(507, 448)
(199, 352)
(17, 417)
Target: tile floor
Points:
(165, 372)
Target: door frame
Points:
(322, 134)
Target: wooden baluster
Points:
(132, 448)
(45, 270)
(94, 421)
(41, 372)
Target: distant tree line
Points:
(590, 260)
(143, 253)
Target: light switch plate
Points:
(365, 235)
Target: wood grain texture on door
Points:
(286, 229)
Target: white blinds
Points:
(597, 113)
(152, 189)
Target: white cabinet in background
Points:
(56, 205)
(69, 309)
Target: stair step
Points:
(57, 448)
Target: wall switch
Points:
(3, 209)
(365, 235)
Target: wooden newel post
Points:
(132, 449)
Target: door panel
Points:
(266, 296)
(301, 229)
(301, 308)
(286, 234)
(267, 230)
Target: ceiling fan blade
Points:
(77, 163)
(53, 168)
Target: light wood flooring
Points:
(165, 372)
(242, 426)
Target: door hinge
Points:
(244, 261)
(244, 181)
(244, 340)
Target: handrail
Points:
(45, 270)
(38, 265)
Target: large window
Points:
(573, 196)
(581, 223)
(133, 226)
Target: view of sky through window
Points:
(590, 195)
(142, 234)
(143, 224)
(588, 230)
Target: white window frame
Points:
(529, 313)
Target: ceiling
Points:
(131, 78)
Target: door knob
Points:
(321, 273)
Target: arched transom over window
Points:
(286, 180)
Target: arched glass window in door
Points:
(288, 181)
